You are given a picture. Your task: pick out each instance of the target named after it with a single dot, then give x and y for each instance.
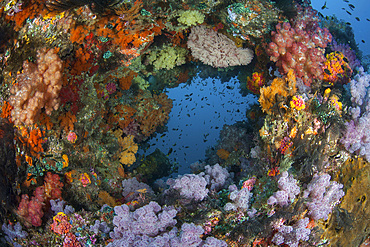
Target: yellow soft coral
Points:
(191, 18)
(336, 68)
(282, 87)
(128, 148)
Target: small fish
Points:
(142, 190)
(346, 1)
(228, 87)
(348, 23)
(321, 15)
(358, 19)
(163, 135)
(351, 6)
(327, 71)
(345, 59)
(324, 6)
(367, 19)
(186, 147)
(363, 41)
(348, 12)
(169, 152)
(188, 115)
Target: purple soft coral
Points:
(322, 196)
(291, 235)
(288, 190)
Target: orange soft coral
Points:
(30, 10)
(31, 140)
(336, 69)
(67, 121)
(153, 111)
(126, 81)
(282, 87)
(78, 34)
(6, 110)
(124, 116)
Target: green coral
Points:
(168, 57)
(191, 17)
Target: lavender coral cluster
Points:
(240, 199)
(322, 196)
(38, 87)
(288, 190)
(216, 49)
(131, 188)
(356, 137)
(196, 186)
(216, 176)
(190, 186)
(149, 226)
(291, 235)
(13, 232)
(142, 224)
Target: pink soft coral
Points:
(300, 46)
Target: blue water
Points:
(199, 112)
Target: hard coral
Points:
(355, 173)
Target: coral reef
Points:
(86, 96)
